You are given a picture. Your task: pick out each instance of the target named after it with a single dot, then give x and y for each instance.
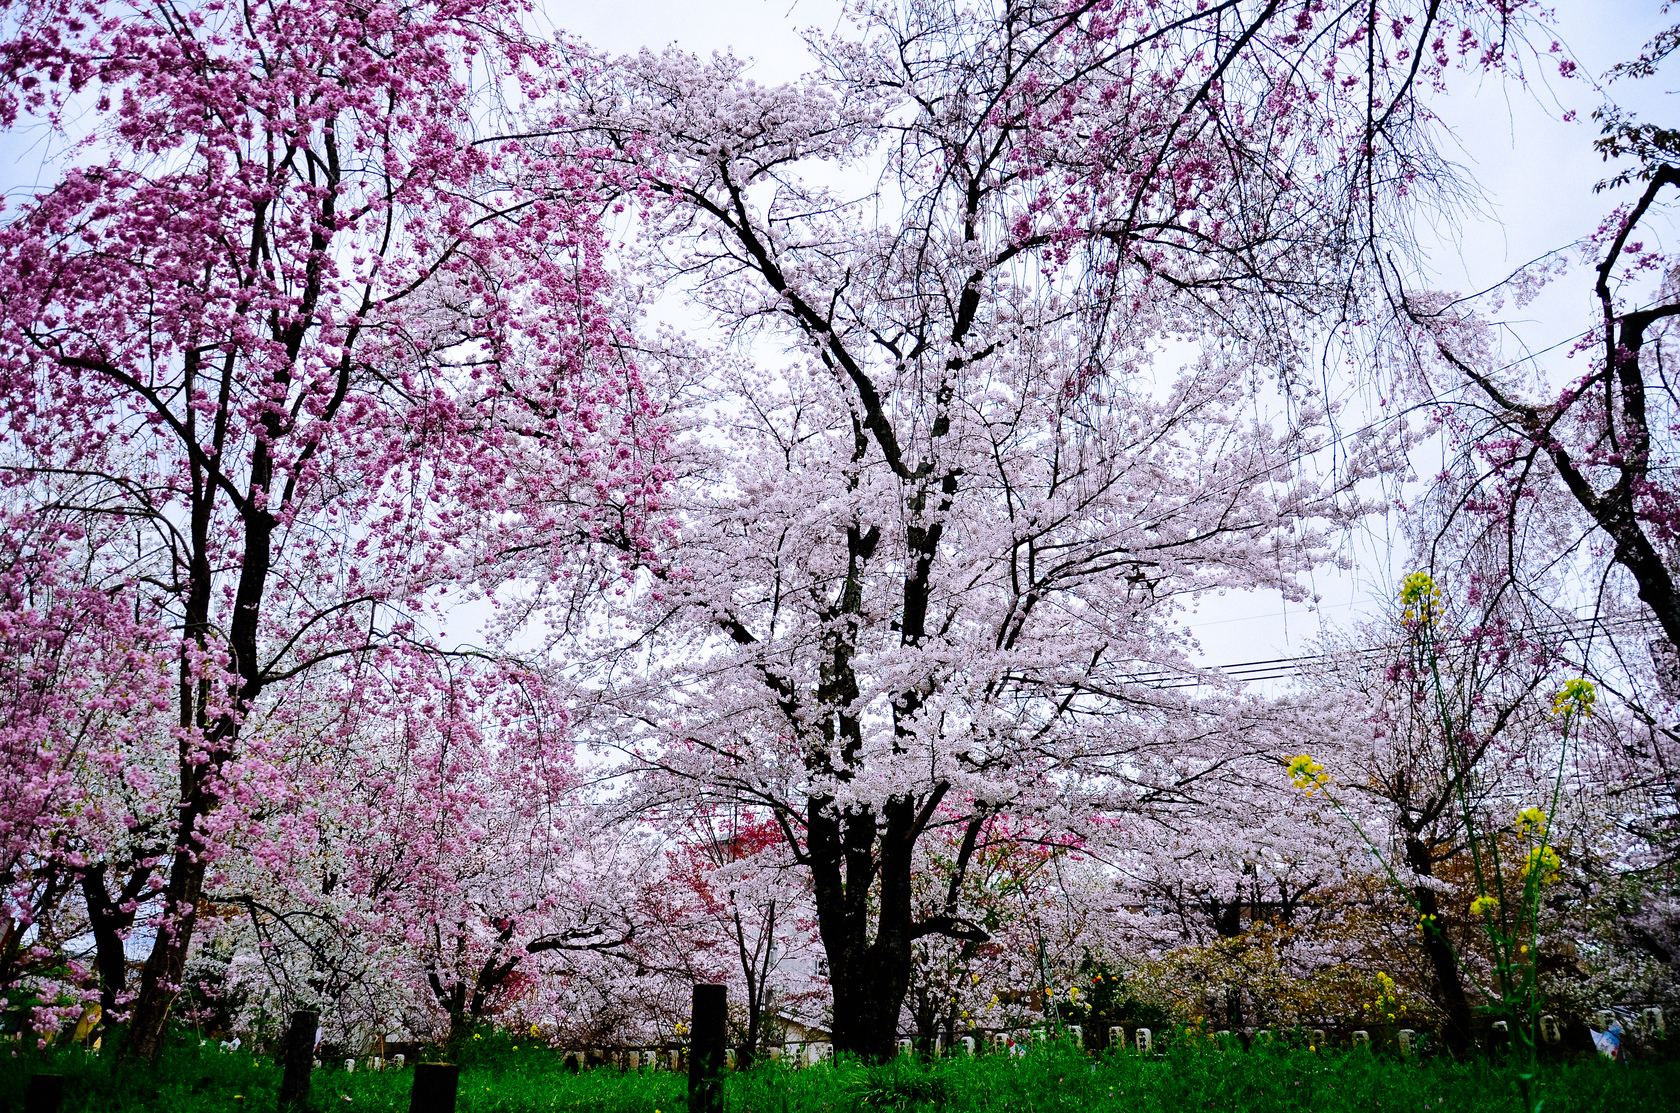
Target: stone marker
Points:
(635, 1062)
(904, 1046)
(705, 1055)
(349, 1066)
(1000, 1042)
(434, 1088)
(1362, 1038)
(300, 1058)
(968, 1045)
(1317, 1038)
(1549, 1031)
(1407, 1035)
(676, 1061)
(1077, 1034)
(1145, 1040)
(1651, 1023)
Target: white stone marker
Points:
(1078, 1035)
(968, 1046)
(349, 1066)
(1407, 1035)
(676, 1061)
(1362, 1038)
(398, 1060)
(1549, 1031)
(1000, 1042)
(1145, 1040)
(1117, 1036)
(635, 1060)
(1651, 1023)
(904, 1046)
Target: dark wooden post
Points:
(300, 1058)
(706, 1034)
(45, 1092)
(434, 1088)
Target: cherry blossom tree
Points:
(276, 318)
(947, 537)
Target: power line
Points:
(1286, 668)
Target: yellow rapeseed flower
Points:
(1307, 773)
(1576, 697)
(1483, 904)
(1544, 860)
(1421, 597)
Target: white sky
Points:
(1535, 169)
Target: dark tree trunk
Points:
(108, 920)
(869, 971)
(1443, 962)
(755, 966)
(207, 744)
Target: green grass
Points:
(1187, 1079)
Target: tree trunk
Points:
(758, 981)
(160, 979)
(107, 919)
(1449, 984)
(869, 976)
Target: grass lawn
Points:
(191, 1079)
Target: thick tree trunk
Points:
(1449, 983)
(868, 971)
(160, 979)
(108, 918)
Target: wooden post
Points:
(45, 1092)
(705, 1049)
(300, 1057)
(434, 1088)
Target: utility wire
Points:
(1286, 668)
